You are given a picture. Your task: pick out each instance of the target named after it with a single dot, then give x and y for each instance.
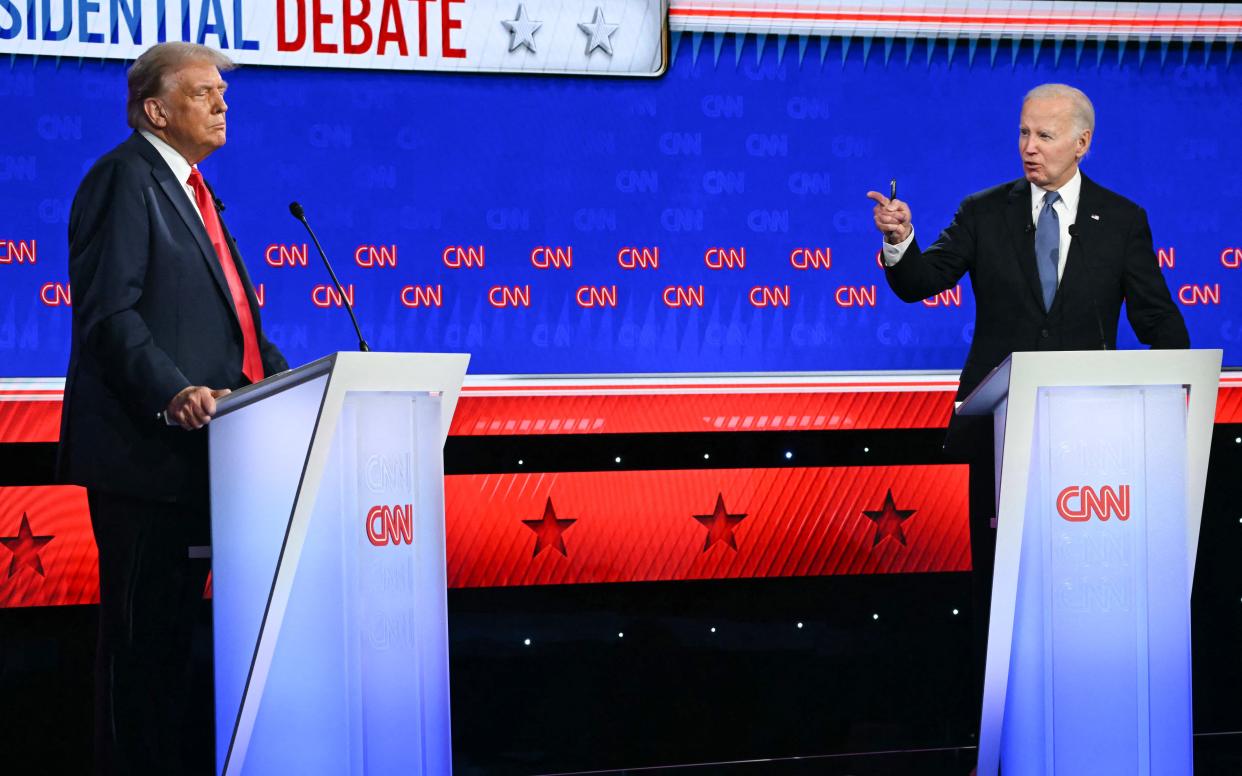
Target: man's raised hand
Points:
(892, 217)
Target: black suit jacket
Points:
(152, 314)
(1110, 260)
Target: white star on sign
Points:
(521, 30)
(600, 31)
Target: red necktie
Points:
(252, 362)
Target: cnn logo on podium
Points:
(1078, 503)
(390, 525)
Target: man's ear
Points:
(157, 117)
(1084, 143)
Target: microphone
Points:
(1095, 308)
(296, 210)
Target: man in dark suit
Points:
(1051, 257)
(165, 321)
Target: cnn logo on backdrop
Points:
(390, 525)
(1078, 503)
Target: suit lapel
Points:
(1085, 226)
(188, 212)
(1018, 219)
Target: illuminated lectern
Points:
(1101, 459)
(328, 568)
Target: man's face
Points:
(192, 109)
(1050, 143)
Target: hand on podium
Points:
(193, 406)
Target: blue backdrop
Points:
(769, 151)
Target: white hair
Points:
(1083, 111)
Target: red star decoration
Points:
(888, 520)
(548, 530)
(720, 524)
(25, 548)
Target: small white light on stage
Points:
(621, 634)
(1237, 440)
(526, 642)
(788, 454)
(521, 462)
(713, 630)
(875, 616)
(799, 625)
(866, 449)
(706, 456)
(954, 612)
(618, 459)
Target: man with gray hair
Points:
(1051, 257)
(165, 321)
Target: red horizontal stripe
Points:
(636, 387)
(1069, 21)
(667, 413)
(1229, 405)
(36, 420)
(641, 526)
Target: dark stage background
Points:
(671, 690)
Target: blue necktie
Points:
(1048, 247)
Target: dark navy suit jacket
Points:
(991, 238)
(152, 314)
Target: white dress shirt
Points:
(177, 163)
(1066, 208)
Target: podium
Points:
(328, 567)
(1101, 461)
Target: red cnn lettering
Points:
(422, 296)
(379, 256)
(55, 295)
(277, 255)
(597, 296)
(1191, 294)
(463, 256)
(638, 258)
(950, 298)
(811, 258)
(769, 296)
(1078, 503)
(879, 259)
(283, 41)
(1231, 258)
(855, 296)
(552, 258)
(683, 296)
(390, 525)
(18, 251)
(260, 294)
(509, 296)
(324, 296)
(725, 258)
(1166, 258)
